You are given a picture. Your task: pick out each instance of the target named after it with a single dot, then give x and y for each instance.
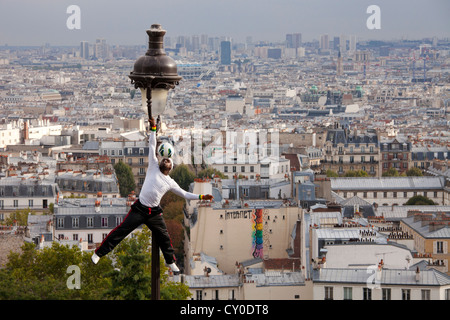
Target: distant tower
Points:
(324, 42)
(340, 67)
(225, 52)
(84, 50)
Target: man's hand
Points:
(208, 197)
(152, 122)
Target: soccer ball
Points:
(166, 150)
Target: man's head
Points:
(166, 165)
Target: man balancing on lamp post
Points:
(146, 209)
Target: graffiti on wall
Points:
(257, 233)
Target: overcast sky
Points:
(35, 22)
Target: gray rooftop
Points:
(429, 277)
(213, 281)
(388, 183)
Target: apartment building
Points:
(391, 191)
(89, 219)
(26, 193)
(431, 233)
(380, 284)
(350, 151)
(395, 153)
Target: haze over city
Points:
(27, 22)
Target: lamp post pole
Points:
(155, 74)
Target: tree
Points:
(132, 280)
(209, 173)
(420, 200)
(332, 174)
(42, 274)
(391, 172)
(414, 172)
(20, 216)
(125, 178)
(358, 173)
(183, 176)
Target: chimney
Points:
(26, 131)
(436, 225)
(417, 274)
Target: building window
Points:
(425, 294)
(225, 169)
(394, 194)
(90, 238)
(348, 293)
(90, 222)
(231, 295)
(374, 194)
(234, 168)
(384, 194)
(104, 222)
(242, 168)
(119, 220)
(75, 237)
(141, 161)
(15, 203)
(252, 169)
(406, 294)
(60, 223)
(30, 203)
(386, 294)
(447, 294)
(199, 294)
(405, 194)
(439, 247)
(328, 293)
(367, 294)
(75, 222)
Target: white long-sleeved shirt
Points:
(156, 183)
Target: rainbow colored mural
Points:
(257, 233)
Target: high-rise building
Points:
(293, 40)
(84, 50)
(336, 43)
(100, 49)
(324, 42)
(225, 52)
(352, 43)
(342, 43)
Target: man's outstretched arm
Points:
(152, 143)
(190, 196)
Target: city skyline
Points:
(25, 22)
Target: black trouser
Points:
(140, 214)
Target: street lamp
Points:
(155, 74)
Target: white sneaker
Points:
(95, 258)
(173, 267)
